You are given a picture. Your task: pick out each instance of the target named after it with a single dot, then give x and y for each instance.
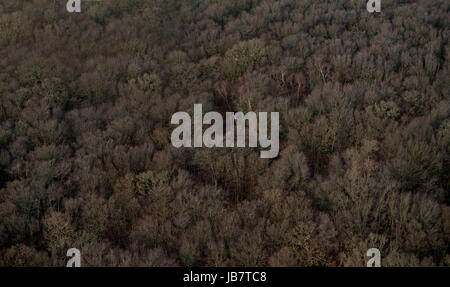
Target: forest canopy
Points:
(86, 160)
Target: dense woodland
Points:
(85, 154)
